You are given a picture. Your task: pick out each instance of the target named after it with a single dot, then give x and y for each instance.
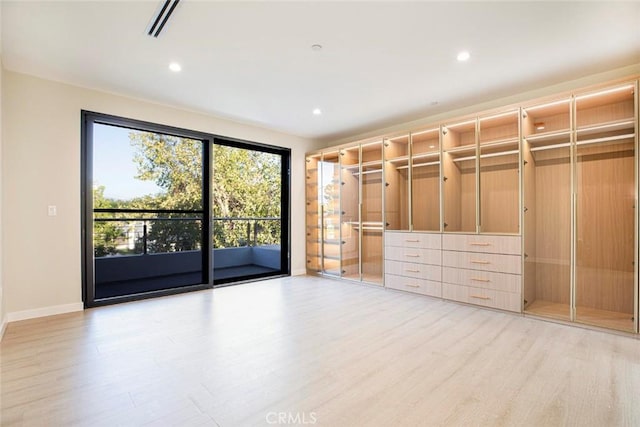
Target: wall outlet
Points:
(52, 210)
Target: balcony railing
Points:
(136, 235)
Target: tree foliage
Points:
(245, 184)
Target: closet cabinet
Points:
(459, 157)
(530, 208)
(605, 212)
(344, 213)
(425, 180)
(547, 208)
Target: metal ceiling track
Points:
(161, 17)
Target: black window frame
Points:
(88, 118)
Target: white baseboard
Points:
(301, 272)
(44, 311)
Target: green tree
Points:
(105, 233)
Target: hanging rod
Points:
(606, 139)
(551, 147)
(368, 172)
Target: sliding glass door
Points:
(250, 211)
(159, 218)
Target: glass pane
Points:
(459, 168)
(499, 173)
(246, 189)
(547, 204)
(350, 218)
(605, 208)
(372, 184)
(425, 180)
(147, 225)
(330, 192)
(314, 222)
(396, 155)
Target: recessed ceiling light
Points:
(317, 111)
(175, 67)
(463, 56)
(316, 47)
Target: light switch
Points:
(52, 210)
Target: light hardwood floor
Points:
(336, 353)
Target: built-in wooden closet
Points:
(530, 208)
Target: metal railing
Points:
(137, 235)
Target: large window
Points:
(159, 218)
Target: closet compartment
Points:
(425, 180)
(546, 151)
(482, 243)
(483, 261)
(371, 215)
(413, 262)
(313, 213)
(605, 214)
(396, 172)
(482, 279)
(410, 269)
(330, 202)
(418, 286)
(350, 212)
(499, 137)
(484, 297)
(413, 240)
(459, 176)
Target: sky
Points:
(113, 164)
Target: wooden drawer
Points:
(409, 269)
(482, 243)
(413, 240)
(418, 286)
(484, 262)
(416, 255)
(484, 297)
(482, 279)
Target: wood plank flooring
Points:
(313, 351)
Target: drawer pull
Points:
(479, 297)
(480, 280)
(413, 256)
(479, 244)
(475, 261)
(412, 271)
(411, 285)
(412, 240)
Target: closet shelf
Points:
(606, 139)
(418, 165)
(485, 156)
(500, 143)
(426, 155)
(540, 137)
(461, 149)
(399, 159)
(372, 163)
(607, 127)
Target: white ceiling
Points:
(381, 62)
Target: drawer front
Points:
(484, 262)
(482, 243)
(416, 255)
(409, 269)
(418, 286)
(413, 240)
(484, 297)
(482, 279)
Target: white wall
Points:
(3, 317)
(41, 167)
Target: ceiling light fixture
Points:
(463, 56)
(175, 67)
(317, 111)
(316, 47)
